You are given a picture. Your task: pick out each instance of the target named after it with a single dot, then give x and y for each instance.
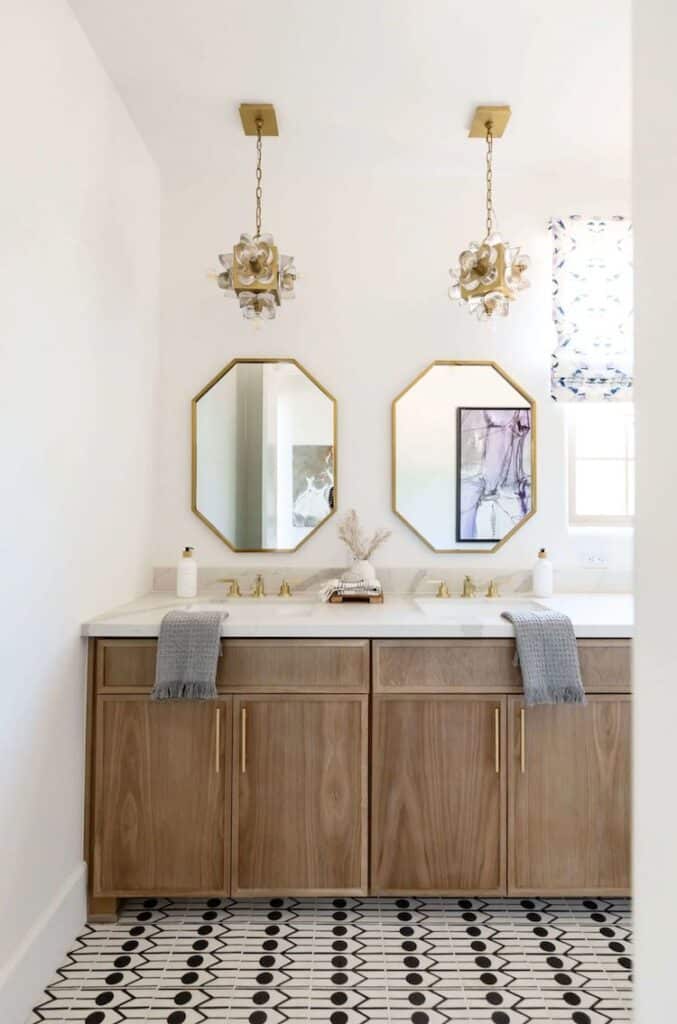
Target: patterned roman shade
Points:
(592, 309)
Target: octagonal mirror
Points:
(264, 455)
(464, 456)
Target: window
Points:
(601, 464)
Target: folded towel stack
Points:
(350, 588)
(187, 656)
(547, 653)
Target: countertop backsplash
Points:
(404, 580)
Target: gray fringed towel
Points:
(548, 657)
(187, 656)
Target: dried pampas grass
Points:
(359, 545)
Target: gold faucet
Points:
(258, 590)
(492, 589)
(234, 588)
(285, 589)
(469, 588)
(442, 590)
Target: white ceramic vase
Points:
(361, 569)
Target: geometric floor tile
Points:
(350, 961)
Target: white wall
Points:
(79, 209)
(655, 675)
(371, 312)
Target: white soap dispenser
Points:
(186, 574)
(541, 576)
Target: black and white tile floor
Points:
(347, 961)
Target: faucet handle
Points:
(492, 589)
(442, 590)
(259, 590)
(234, 589)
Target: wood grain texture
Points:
(300, 808)
(485, 665)
(102, 910)
(162, 810)
(90, 716)
(569, 817)
(260, 665)
(291, 666)
(438, 806)
(436, 666)
(127, 664)
(606, 665)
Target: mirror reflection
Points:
(464, 456)
(264, 455)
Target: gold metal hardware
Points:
(442, 590)
(492, 589)
(259, 590)
(250, 113)
(498, 116)
(523, 741)
(469, 588)
(217, 755)
(243, 741)
(497, 740)
(285, 589)
(234, 589)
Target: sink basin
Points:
(473, 607)
(275, 607)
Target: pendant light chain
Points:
(259, 175)
(490, 178)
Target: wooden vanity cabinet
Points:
(569, 808)
(438, 794)
(161, 823)
(265, 791)
(300, 767)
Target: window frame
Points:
(576, 519)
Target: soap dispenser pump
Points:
(186, 574)
(542, 575)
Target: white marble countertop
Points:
(593, 615)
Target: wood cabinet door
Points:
(438, 795)
(300, 794)
(569, 821)
(162, 797)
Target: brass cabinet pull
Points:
(243, 740)
(523, 741)
(217, 753)
(497, 740)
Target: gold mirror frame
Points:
(215, 380)
(532, 405)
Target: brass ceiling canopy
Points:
(255, 271)
(491, 272)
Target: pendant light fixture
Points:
(255, 271)
(490, 273)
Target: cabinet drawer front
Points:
(606, 665)
(270, 666)
(473, 666)
(125, 664)
(295, 666)
(435, 666)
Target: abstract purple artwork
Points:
(494, 472)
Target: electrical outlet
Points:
(593, 560)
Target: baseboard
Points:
(23, 979)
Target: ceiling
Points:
(372, 86)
